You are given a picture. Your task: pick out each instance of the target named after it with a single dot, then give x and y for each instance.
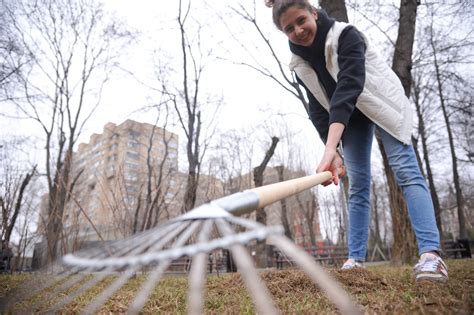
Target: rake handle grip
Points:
(271, 193)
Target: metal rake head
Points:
(193, 235)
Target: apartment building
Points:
(126, 182)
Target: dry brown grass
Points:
(379, 290)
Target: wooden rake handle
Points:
(271, 193)
(247, 201)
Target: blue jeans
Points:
(357, 145)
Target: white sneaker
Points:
(431, 267)
(352, 264)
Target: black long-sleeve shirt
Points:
(350, 79)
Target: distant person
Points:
(352, 93)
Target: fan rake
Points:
(195, 235)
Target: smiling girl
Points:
(352, 94)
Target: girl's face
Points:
(299, 25)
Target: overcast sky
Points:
(249, 99)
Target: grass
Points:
(379, 290)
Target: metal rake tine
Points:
(145, 290)
(245, 222)
(197, 273)
(319, 276)
(259, 292)
(334, 292)
(97, 278)
(156, 238)
(124, 248)
(152, 235)
(117, 284)
(76, 270)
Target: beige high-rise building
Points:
(126, 182)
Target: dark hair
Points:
(280, 6)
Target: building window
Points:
(131, 189)
(173, 144)
(97, 145)
(130, 200)
(133, 144)
(131, 176)
(133, 134)
(132, 155)
(112, 157)
(131, 165)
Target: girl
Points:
(352, 93)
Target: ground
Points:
(378, 290)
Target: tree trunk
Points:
(336, 9)
(308, 212)
(19, 201)
(258, 177)
(404, 249)
(57, 202)
(429, 172)
(376, 234)
(313, 210)
(261, 215)
(454, 159)
(344, 193)
(414, 143)
(284, 211)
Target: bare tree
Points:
(187, 99)
(12, 57)
(440, 83)
(258, 175)
(14, 182)
(310, 211)
(158, 178)
(404, 245)
(283, 204)
(375, 227)
(73, 46)
(419, 101)
(11, 202)
(282, 77)
(231, 158)
(261, 215)
(19, 190)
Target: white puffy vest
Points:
(383, 98)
